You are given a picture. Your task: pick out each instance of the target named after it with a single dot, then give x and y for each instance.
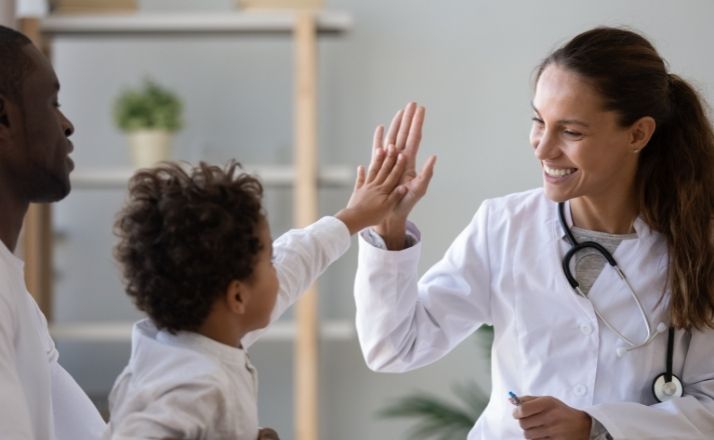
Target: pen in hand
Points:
(513, 398)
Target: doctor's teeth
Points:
(558, 172)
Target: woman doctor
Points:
(627, 151)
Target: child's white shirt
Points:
(189, 386)
(184, 386)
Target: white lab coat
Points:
(504, 269)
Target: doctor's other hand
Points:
(376, 192)
(268, 434)
(404, 133)
(546, 417)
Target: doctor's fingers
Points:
(411, 146)
(405, 126)
(531, 406)
(394, 128)
(416, 188)
(424, 177)
(377, 140)
(538, 433)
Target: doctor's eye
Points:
(538, 121)
(572, 134)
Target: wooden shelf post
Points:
(306, 350)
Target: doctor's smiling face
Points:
(583, 149)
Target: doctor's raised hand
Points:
(404, 135)
(376, 192)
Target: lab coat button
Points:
(586, 329)
(580, 390)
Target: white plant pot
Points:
(149, 147)
(280, 4)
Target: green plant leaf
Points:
(440, 420)
(149, 107)
(437, 418)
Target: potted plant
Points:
(149, 116)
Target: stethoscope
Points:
(666, 385)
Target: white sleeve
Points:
(690, 417)
(300, 256)
(402, 323)
(14, 415)
(75, 416)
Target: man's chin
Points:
(53, 190)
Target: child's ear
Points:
(237, 296)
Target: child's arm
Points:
(376, 193)
(300, 256)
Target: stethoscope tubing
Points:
(666, 385)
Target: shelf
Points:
(254, 22)
(336, 330)
(270, 175)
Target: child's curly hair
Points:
(184, 236)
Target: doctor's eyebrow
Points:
(563, 121)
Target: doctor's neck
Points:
(614, 216)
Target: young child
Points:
(197, 257)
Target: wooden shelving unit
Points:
(303, 28)
(270, 175)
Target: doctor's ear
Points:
(641, 132)
(236, 296)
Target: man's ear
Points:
(237, 296)
(4, 119)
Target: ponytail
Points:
(676, 198)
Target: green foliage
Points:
(150, 107)
(441, 420)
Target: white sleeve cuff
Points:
(372, 237)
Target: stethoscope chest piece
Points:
(664, 390)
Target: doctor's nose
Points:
(544, 146)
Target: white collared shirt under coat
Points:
(505, 269)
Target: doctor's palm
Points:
(405, 134)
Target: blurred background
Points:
(470, 63)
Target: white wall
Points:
(469, 62)
(7, 13)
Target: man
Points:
(38, 398)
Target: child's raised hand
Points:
(376, 192)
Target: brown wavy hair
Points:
(675, 175)
(184, 236)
